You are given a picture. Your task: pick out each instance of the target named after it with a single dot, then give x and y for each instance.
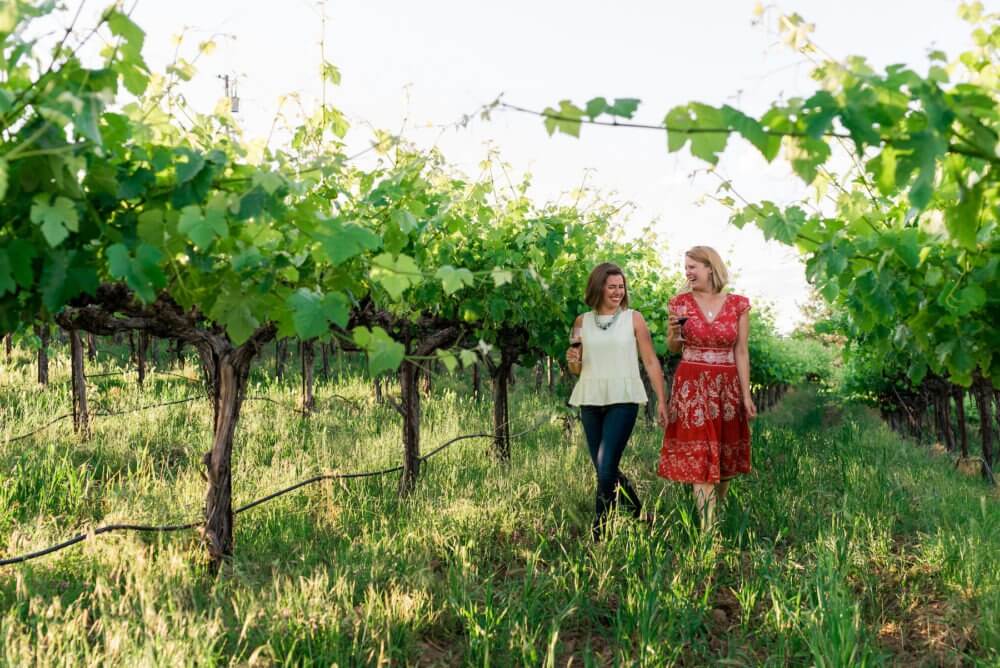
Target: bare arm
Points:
(742, 353)
(648, 355)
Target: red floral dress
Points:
(708, 433)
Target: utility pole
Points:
(230, 91)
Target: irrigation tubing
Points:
(167, 528)
(101, 414)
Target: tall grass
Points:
(845, 547)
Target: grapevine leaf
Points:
(7, 283)
(501, 276)
(395, 274)
(448, 359)
(751, 130)
(623, 107)
(21, 253)
(384, 354)
(468, 357)
(453, 279)
(202, 227)
(187, 169)
(342, 241)
(57, 218)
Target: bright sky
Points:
(414, 64)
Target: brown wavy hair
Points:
(598, 278)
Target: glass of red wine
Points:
(682, 317)
(576, 343)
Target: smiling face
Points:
(614, 292)
(699, 274)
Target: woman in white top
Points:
(610, 390)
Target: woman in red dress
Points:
(707, 440)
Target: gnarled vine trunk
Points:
(42, 332)
(140, 357)
(501, 410)
(81, 419)
(410, 409)
(958, 395)
(308, 355)
(981, 390)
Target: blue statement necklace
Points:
(606, 326)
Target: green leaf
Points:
(596, 107)
(706, 144)
(405, 220)
(118, 260)
(395, 274)
(65, 274)
(970, 298)
(57, 219)
(783, 226)
(807, 155)
(751, 130)
(448, 359)
(233, 312)
(141, 272)
(188, 168)
(3, 178)
(501, 276)
(623, 107)
(566, 119)
(331, 73)
(202, 227)
(122, 26)
(453, 279)
(342, 241)
(907, 247)
(468, 357)
(962, 221)
(337, 309)
(268, 181)
(384, 354)
(308, 314)
(150, 227)
(135, 184)
(21, 253)
(923, 151)
(7, 283)
(883, 168)
(677, 121)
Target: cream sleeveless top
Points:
(610, 372)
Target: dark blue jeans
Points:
(607, 429)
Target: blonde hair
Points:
(711, 259)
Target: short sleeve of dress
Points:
(742, 305)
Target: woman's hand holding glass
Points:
(574, 356)
(676, 319)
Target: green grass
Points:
(845, 547)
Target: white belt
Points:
(709, 355)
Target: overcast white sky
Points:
(431, 62)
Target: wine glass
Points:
(576, 343)
(682, 315)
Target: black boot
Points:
(626, 493)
